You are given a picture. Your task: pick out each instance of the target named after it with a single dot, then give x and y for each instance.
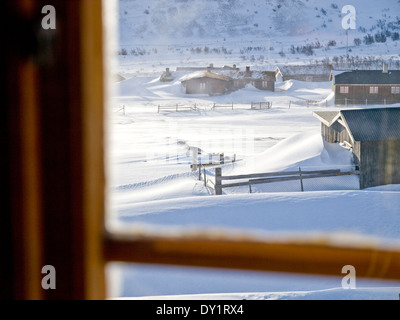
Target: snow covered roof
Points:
(304, 69)
(204, 74)
(374, 124)
(327, 117)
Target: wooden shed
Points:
(366, 87)
(309, 73)
(206, 82)
(374, 138)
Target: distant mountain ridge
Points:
(166, 21)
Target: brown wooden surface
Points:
(313, 256)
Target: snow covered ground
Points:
(152, 185)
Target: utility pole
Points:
(347, 48)
(269, 52)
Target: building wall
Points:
(307, 77)
(335, 133)
(360, 94)
(212, 86)
(257, 83)
(379, 163)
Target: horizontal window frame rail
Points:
(313, 255)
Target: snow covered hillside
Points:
(150, 150)
(163, 34)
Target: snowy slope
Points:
(166, 22)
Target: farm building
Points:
(366, 86)
(206, 82)
(310, 73)
(374, 138)
(262, 80)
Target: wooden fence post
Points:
(199, 172)
(205, 177)
(218, 174)
(301, 180)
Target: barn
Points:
(366, 87)
(206, 82)
(309, 73)
(373, 135)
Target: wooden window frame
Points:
(344, 89)
(56, 200)
(373, 90)
(395, 90)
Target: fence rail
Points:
(269, 177)
(176, 108)
(215, 106)
(261, 105)
(348, 101)
(121, 108)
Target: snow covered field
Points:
(151, 183)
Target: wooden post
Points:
(218, 174)
(205, 177)
(199, 172)
(249, 187)
(301, 180)
(194, 158)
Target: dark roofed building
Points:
(366, 86)
(374, 138)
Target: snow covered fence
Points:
(269, 177)
(177, 107)
(215, 106)
(261, 105)
(121, 108)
